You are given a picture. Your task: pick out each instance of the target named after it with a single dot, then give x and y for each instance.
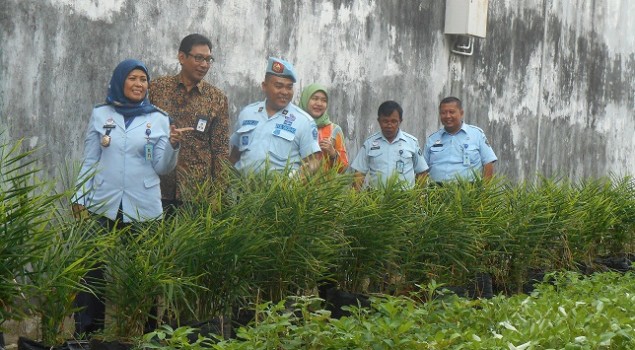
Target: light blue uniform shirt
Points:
(460, 155)
(281, 140)
(381, 159)
(126, 171)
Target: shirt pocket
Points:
(436, 153)
(406, 156)
(151, 182)
(375, 159)
(282, 144)
(474, 154)
(245, 137)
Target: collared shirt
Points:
(125, 170)
(460, 155)
(203, 150)
(381, 159)
(282, 140)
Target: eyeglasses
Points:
(201, 58)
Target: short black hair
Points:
(451, 99)
(194, 40)
(388, 107)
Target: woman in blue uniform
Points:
(129, 143)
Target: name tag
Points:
(149, 151)
(201, 125)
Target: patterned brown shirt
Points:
(203, 150)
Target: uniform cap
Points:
(281, 68)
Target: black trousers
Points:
(92, 307)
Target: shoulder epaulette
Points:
(301, 112)
(475, 127)
(378, 133)
(162, 111)
(101, 105)
(409, 136)
(434, 132)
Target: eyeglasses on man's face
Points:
(201, 58)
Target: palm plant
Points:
(67, 258)
(215, 252)
(140, 271)
(531, 226)
(622, 235)
(375, 224)
(293, 224)
(24, 212)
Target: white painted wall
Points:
(552, 84)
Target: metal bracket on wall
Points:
(463, 45)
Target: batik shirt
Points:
(203, 150)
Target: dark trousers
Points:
(169, 207)
(90, 318)
(92, 308)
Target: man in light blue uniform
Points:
(458, 150)
(391, 152)
(275, 133)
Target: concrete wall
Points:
(552, 84)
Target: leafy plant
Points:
(140, 272)
(25, 203)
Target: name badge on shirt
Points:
(466, 156)
(400, 165)
(149, 151)
(201, 125)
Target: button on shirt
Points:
(460, 155)
(281, 140)
(381, 159)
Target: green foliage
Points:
(293, 226)
(140, 271)
(25, 203)
(271, 236)
(572, 313)
(168, 338)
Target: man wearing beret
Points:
(275, 134)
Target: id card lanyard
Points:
(466, 156)
(149, 148)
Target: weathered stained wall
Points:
(552, 84)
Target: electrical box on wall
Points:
(466, 17)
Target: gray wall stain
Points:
(551, 85)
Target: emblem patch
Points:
(277, 67)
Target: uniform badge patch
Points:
(277, 67)
(244, 140)
(315, 133)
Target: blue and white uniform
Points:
(127, 170)
(380, 159)
(459, 155)
(282, 140)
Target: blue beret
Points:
(281, 68)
